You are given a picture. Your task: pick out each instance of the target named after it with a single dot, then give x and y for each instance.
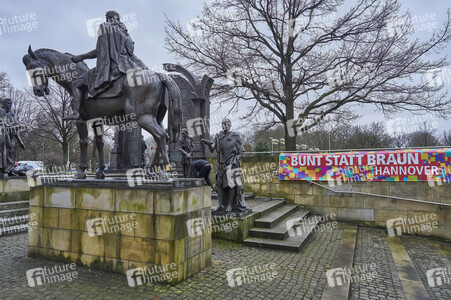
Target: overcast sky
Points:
(66, 26)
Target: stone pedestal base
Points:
(233, 214)
(145, 231)
(14, 189)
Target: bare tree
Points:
(446, 139)
(400, 140)
(49, 125)
(304, 60)
(423, 137)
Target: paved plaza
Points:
(299, 275)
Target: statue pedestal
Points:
(152, 232)
(232, 214)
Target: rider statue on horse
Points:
(114, 53)
(120, 84)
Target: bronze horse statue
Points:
(147, 100)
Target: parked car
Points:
(37, 165)
(21, 170)
(23, 166)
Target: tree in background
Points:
(311, 59)
(369, 136)
(446, 138)
(49, 127)
(423, 137)
(350, 136)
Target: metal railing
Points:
(377, 195)
(346, 150)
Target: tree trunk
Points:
(65, 150)
(290, 140)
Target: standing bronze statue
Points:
(9, 134)
(229, 149)
(120, 85)
(186, 147)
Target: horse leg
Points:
(99, 145)
(83, 136)
(150, 124)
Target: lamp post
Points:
(281, 141)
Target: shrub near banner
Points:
(396, 165)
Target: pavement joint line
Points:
(410, 281)
(343, 258)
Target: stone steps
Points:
(13, 212)
(281, 230)
(292, 243)
(268, 206)
(14, 205)
(16, 229)
(21, 219)
(14, 217)
(274, 217)
(279, 225)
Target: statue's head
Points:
(7, 103)
(184, 132)
(226, 124)
(112, 16)
(35, 66)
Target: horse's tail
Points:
(174, 106)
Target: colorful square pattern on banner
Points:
(396, 165)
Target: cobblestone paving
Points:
(372, 247)
(424, 257)
(301, 275)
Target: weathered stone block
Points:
(356, 214)
(83, 216)
(94, 199)
(60, 239)
(301, 188)
(441, 193)
(346, 201)
(36, 216)
(195, 199)
(178, 202)
(378, 203)
(179, 250)
(164, 227)
(15, 185)
(162, 202)
(416, 206)
(59, 197)
(67, 218)
(410, 190)
(36, 197)
(134, 201)
(193, 246)
(92, 245)
(33, 237)
(384, 215)
(145, 226)
(137, 249)
(76, 239)
(50, 217)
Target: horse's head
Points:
(35, 67)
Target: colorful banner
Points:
(396, 165)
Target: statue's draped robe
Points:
(229, 149)
(114, 58)
(7, 141)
